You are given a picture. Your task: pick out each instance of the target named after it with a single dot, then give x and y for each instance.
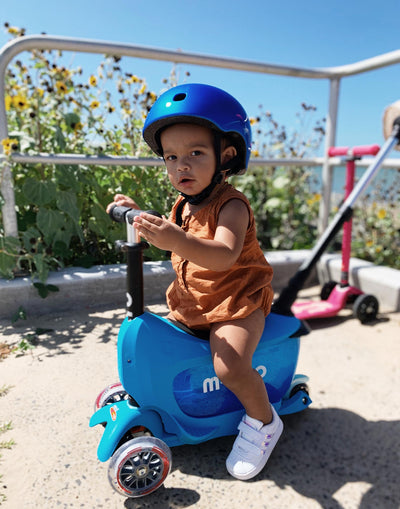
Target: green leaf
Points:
(30, 237)
(71, 119)
(42, 268)
(101, 222)
(9, 247)
(59, 139)
(38, 192)
(66, 201)
(68, 177)
(49, 221)
(10, 244)
(60, 247)
(7, 263)
(44, 290)
(62, 239)
(20, 314)
(39, 65)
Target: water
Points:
(385, 185)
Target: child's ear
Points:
(228, 153)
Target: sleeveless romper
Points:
(198, 296)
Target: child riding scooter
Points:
(222, 287)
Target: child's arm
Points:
(218, 254)
(122, 201)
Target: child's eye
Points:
(196, 152)
(170, 158)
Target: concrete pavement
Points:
(341, 453)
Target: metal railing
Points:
(46, 42)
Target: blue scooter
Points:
(168, 393)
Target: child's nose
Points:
(183, 164)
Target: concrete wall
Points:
(103, 286)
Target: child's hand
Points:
(120, 200)
(158, 231)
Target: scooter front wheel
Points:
(366, 308)
(140, 466)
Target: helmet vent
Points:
(179, 97)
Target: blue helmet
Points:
(204, 105)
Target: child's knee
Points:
(231, 371)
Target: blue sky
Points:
(312, 33)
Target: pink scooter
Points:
(335, 296)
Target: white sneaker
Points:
(253, 446)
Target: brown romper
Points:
(198, 296)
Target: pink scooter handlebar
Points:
(363, 150)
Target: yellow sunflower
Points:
(61, 87)
(381, 214)
(8, 102)
(9, 144)
(20, 102)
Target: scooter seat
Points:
(198, 333)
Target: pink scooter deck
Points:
(325, 308)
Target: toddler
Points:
(223, 282)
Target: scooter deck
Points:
(325, 308)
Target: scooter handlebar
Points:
(122, 214)
(363, 150)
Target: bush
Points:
(61, 208)
(53, 108)
(377, 222)
(284, 199)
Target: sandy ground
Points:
(342, 452)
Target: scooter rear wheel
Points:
(326, 289)
(300, 387)
(110, 395)
(140, 466)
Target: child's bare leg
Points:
(232, 346)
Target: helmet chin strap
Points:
(196, 199)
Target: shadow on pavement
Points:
(64, 333)
(320, 451)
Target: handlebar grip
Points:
(362, 150)
(121, 214)
(118, 213)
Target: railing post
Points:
(8, 209)
(6, 180)
(330, 138)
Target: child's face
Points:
(189, 155)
